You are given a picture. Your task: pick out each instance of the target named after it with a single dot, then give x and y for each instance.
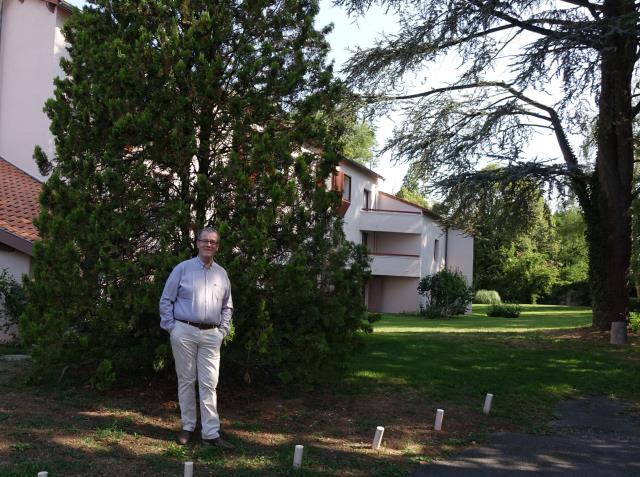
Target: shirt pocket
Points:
(218, 293)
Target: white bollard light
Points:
(188, 469)
(439, 417)
(377, 438)
(297, 456)
(487, 404)
(43, 474)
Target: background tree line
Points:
(523, 249)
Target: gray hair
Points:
(208, 230)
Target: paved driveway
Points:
(594, 437)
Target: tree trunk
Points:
(607, 294)
(610, 229)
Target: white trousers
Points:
(197, 356)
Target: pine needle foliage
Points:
(174, 116)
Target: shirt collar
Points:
(204, 265)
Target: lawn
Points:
(405, 370)
(528, 363)
(533, 317)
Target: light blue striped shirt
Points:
(197, 293)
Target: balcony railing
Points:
(395, 265)
(397, 221)
(394, 211)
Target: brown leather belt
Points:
(201, 326)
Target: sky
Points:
(348, 33)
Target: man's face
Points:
(208, 244)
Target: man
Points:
(196, 309)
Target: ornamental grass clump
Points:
(487, 297)
(506, 310)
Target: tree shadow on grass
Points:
(125, 436)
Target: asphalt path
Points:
(592, 437)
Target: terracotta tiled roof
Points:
(18, 201)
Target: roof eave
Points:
(360, 166)
(67, 6)
(20, 244)
(424, 210)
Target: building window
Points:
(367, 199)
(436, 246)
(365, 239)
(337, 181)
(346, 188)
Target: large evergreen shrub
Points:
(446, 294)
(173, 116)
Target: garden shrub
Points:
(12, 302)
(506, 310)
(104, 377)
(373, 317)
(446, 294)
(571, 294)
(634, 321)
(634, 304)
(487, 297)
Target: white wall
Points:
(389, 203)
(460, 254)
(16, 262)
(359, 182)
(59, 43)
(394, 243)
(458, 251)
(395, 266)
(431, 232)
(394, 222)
(31, 45)
(393, 294)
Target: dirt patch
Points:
(545, 339)
(583, 334)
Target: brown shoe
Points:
(184, 437)
(220, 443)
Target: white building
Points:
(406, 241)
(31, 45)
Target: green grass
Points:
(459, 360)
(533, 317)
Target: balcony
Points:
(395, 265)
(380, 220)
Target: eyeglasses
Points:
(209, 242)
